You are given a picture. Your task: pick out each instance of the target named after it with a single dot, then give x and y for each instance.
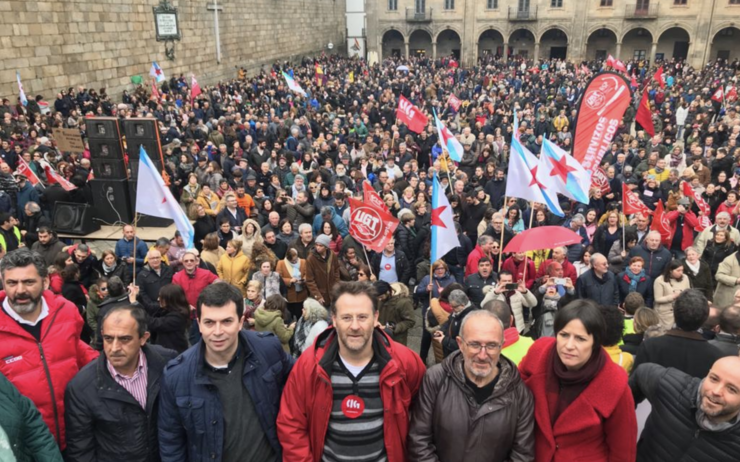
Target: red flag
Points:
(370, 196)
(662, 225)
(26, 171)
(633, 81)
(731, 94)
(631, 203)
(619, 66)
(585, 70)
(194, 89)
(659, 77)
(610, 61)
(688, 191)
(718, 95)
(155, 92)
(53, 177)
(600, 180)
(411, 116)
(454, 101)
(370, 226)
(602, 106)
(644, 115)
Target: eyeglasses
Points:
(475, 347)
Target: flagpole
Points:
(531, 216)
(501, 244)
(367, 259)
(136, 220)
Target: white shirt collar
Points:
(11, 312)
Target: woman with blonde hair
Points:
(233, 267)
(313, 321)
(212, 252)
(252, 301)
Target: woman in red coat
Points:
(583, 406)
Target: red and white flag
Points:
(455, 102)
(731, 94)
(194, 89)
(600, 180)
(371, 196)
(688, 191)
(662, 224)
(719, 95)
(155, 92)
(631, 203)
(370, 225)
(411, 115)
(633, 81)
(53, 177)
(23, 169)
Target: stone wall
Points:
(101, 43)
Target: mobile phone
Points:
(512, 286)
(559, 281)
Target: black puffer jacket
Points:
(675, 435)
(447, 424)
(105, 422)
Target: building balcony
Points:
(634, 11)
(414, 15)
(515, 14)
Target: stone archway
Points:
(602, 43)
(393, 44)
(553, 44)
(420, 43)
(449, 44)
(673, 43)
(724, 44)
(490, 43)
(637, 44)
(522, 43)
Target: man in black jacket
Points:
(682, 347)
(111, 404)
(476, 282)
(449, 331)
(151, 279)
(391, 265)
(698, 416)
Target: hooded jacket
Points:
(41, 370)
(448, 425)
(272, 321)
(305, 408)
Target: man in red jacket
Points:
(191, 278)
(348, 396)
(40, 346)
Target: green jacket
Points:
(272, 321)
(28, 435)
(399, 311)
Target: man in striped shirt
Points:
(110, 405)
(348, 395)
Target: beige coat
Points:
(727, 275)
(518, 302)
(663, 296)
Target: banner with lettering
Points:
(411, 115)
(370, 226)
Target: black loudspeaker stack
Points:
(74, 218)
(114, 187)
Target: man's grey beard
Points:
(24, 308)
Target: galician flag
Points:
(447, 140)
(569, 177)
(525, 179)
(156, 72)
(444, 234)
(155, 199)
(293, 85)
(24, 100)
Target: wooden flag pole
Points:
(501, 244)
(136, 220)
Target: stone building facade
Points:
(57, 44)
(696, 30)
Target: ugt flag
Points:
(155, 199)
(293, 85)
(662, 224)
(444, 234)
(410, 115)
(631, 203)
(370, 196)
(447, 140)
(156, 72)
(369, 225)
(53, 177)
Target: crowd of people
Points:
(277, 336)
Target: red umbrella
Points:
(544, 237)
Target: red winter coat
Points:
(306, 403)
(194, 285)
(690, 222)
(517, 270)
(25, 362)
(569, 271)
(599, 426)
(471, 266)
